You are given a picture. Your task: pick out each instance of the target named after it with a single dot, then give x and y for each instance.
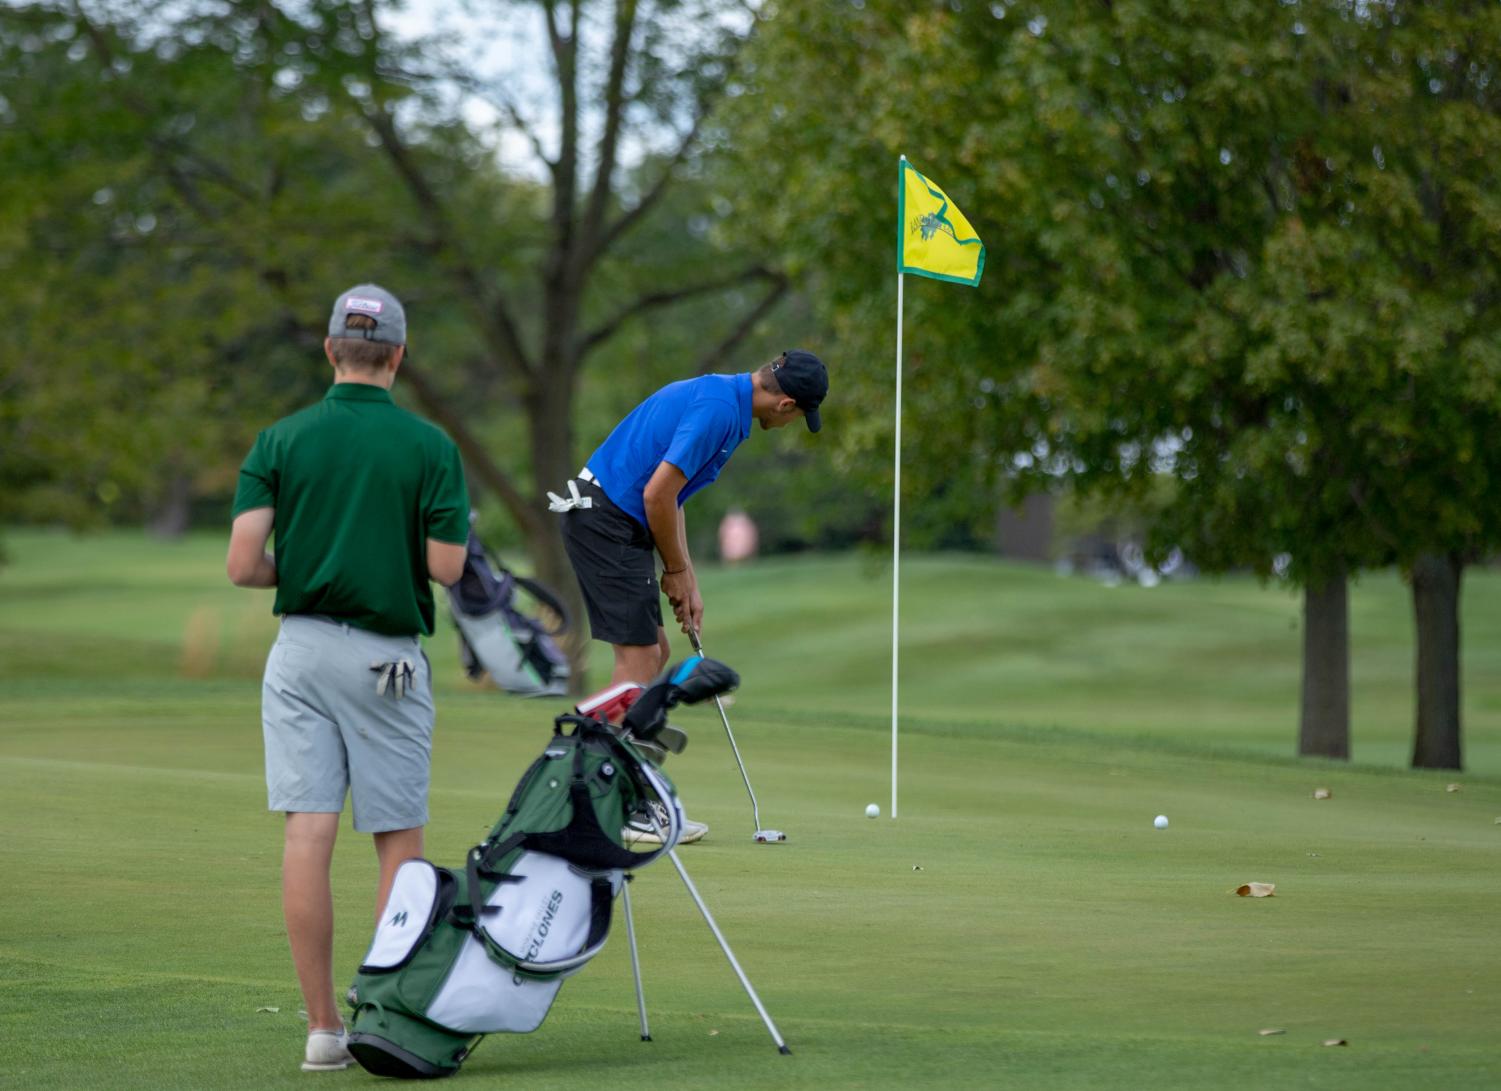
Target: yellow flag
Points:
(933, 239)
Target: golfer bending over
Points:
(368, 503)
(628, 502)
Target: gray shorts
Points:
(328, 732)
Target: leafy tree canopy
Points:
(1249, 246)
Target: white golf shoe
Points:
(327, 1051)
(641, 831)
(637, 835)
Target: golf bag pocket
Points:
(542, 924)
(517, 654)
(414, 905)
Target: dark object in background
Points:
(516, 651)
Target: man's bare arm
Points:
(445, 561)
(668, 530)
(664, 517)
(248, 563)
(683, 536)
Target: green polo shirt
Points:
(358, 485)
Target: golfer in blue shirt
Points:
(627, 502)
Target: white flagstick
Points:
(896, 520)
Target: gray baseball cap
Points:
(372, 301)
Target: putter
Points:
(762, 836)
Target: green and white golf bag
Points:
(482, 949)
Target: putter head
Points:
(769, 837)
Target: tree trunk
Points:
(479, 467)
(170, 514)
(1324, 725)
(1435, 605)
(550, 432)
(549, 420)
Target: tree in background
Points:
(165, 203)
(1208, 262)
(630, 72)
(1249, 250)
(1433, 73)
(290, 149)
(101, 316)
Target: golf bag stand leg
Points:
(725, 947)
(630, 931)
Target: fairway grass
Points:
(1019, 925)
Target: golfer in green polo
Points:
(368, 505)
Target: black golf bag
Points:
(517, 652)
(481, 949)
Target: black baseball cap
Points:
(805, 380)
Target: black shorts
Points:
(614, 558)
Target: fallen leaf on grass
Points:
(712, 1033)
(1453, 787)
(1256, 890)
(1322, 793)
(273, 1011)
(1335, 1042)
(1267, 1032)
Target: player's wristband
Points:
(674, 571)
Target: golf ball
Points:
(872, 811)
(1160, 822)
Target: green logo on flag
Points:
(937, 241)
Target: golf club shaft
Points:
(755, 807)
(725, 947)
(630, 931)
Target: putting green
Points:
(1021, 924)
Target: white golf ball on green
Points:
(872, 811)
(1160, 822)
